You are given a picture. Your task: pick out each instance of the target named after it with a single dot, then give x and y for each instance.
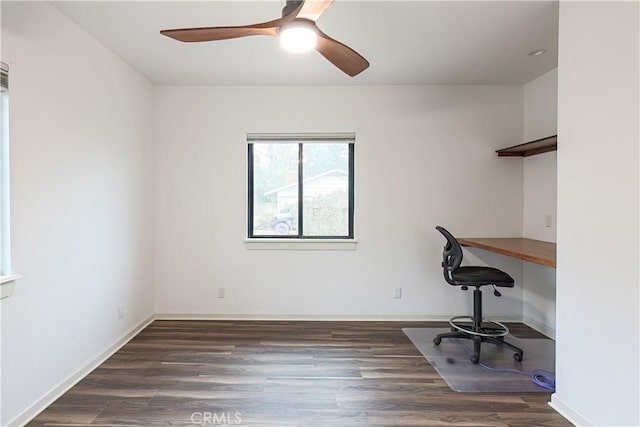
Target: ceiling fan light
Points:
(298, 36)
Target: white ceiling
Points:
(406, 42)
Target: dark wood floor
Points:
(252, 373)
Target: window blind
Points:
(302, 137)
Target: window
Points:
(6, 275)
(300, 186)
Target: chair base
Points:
(500, 331)
(484, 335)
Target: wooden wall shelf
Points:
(539, 146)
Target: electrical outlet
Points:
(120, 313)
(397, 293)
(548, 221)
(221, 292)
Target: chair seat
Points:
(473, 276)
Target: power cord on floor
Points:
(541, 377)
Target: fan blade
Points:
(205, 34)
(312, 9)
(340, 55)
(216, 33)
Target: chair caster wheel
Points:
(475, 359)
(518, 357)
(437, 340)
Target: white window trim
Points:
(7, 285)
(336, 244)
(301, 244)
(7, 280)
(10, 278)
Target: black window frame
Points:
(301, 142)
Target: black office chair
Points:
(479, 330)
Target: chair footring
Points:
(500, 331)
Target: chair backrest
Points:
(451, 255)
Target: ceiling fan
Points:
(297, 26)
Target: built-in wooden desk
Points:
(527, 249)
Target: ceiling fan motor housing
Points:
(290, 7)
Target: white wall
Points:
(541, 106)
(540, 188)
(598, 336)
(81, 174)
(424, 156)
(540, 194)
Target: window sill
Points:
(7, 286)
(10, 278)
(301, 244)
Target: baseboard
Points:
(41, 404)
(293, 317)
(539, 326)
(574, 416)
(319, 317)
